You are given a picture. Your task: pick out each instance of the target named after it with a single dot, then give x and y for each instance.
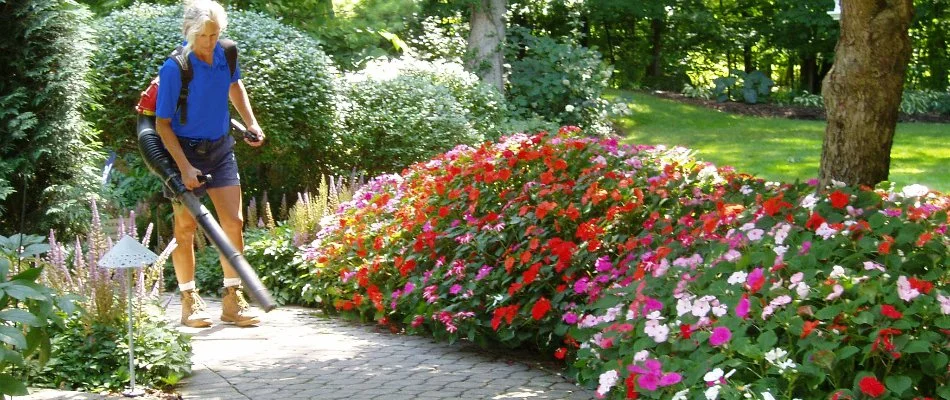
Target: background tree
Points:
(862, 92)
(49, 158)
(485, 42)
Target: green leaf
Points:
(12, 386)
(897, 383)
(12, 336)
(21, 292)
(847, 351)
(767, 341)
(917, 346)
(19, 316)
(944, 392)
(828, 312)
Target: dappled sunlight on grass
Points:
(775, 148)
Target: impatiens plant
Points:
(652, 274)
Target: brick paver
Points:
(297, 353)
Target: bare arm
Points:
(189, 173)
(242, 103)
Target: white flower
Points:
(607, 380)
(914, 190)
(683, 306)
(825, 231)
(713, 376)
(767, 396)
(836, 272)
(641, 356)
(700, 308)
(657, 331)
(786, 364)
(780, 250)
(719, 310)
(738, 277)
(775, 354)
(569, 108)
(681, 395)
(810, 201)
(712, 393)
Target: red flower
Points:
(808, 328)
(921, 285)
(889, 311)
(560, 353)
(871, 386)
(541, 307)
(885, 246)
(814, 221)
(686, 331)
(775, 205)
(839, 199)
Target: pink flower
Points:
(720, 335)
(742, 309)
(944, 304)
(904, 290)
(836, 292)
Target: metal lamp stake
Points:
(132, 391)
(129, 254)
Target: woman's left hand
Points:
(256, 130)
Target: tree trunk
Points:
(747, 63)
(654, 70)
(809, 73)
(486, 41)
(862, 93)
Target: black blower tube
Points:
(160, 163)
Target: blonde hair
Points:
(199, 13)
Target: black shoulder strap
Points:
(184, 65)
(230, 53)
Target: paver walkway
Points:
(299, 354)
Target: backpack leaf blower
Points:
(160, 163)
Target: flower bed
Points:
(653, 274)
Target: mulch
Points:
(778, 111)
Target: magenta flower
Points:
(720, 335)
(742, 309)
(755, 280)
(651, 375)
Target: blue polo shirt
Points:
(208, 116)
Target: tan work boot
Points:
(193, 310)
(234, 309)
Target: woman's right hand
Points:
(189, 176)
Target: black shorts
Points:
(211, 157)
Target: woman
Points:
(201, 145)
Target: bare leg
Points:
(227, 205)
(184, 255)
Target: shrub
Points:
(92, 353)
(559, 82)
(48, 153)
(698, 92)
(393, 119)
(95, 357)
(484, 107)
(741, 86)
(29, 311)
(288, 77)
(652, 273)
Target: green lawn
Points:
(778, 149)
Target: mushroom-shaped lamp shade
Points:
(128, 253)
